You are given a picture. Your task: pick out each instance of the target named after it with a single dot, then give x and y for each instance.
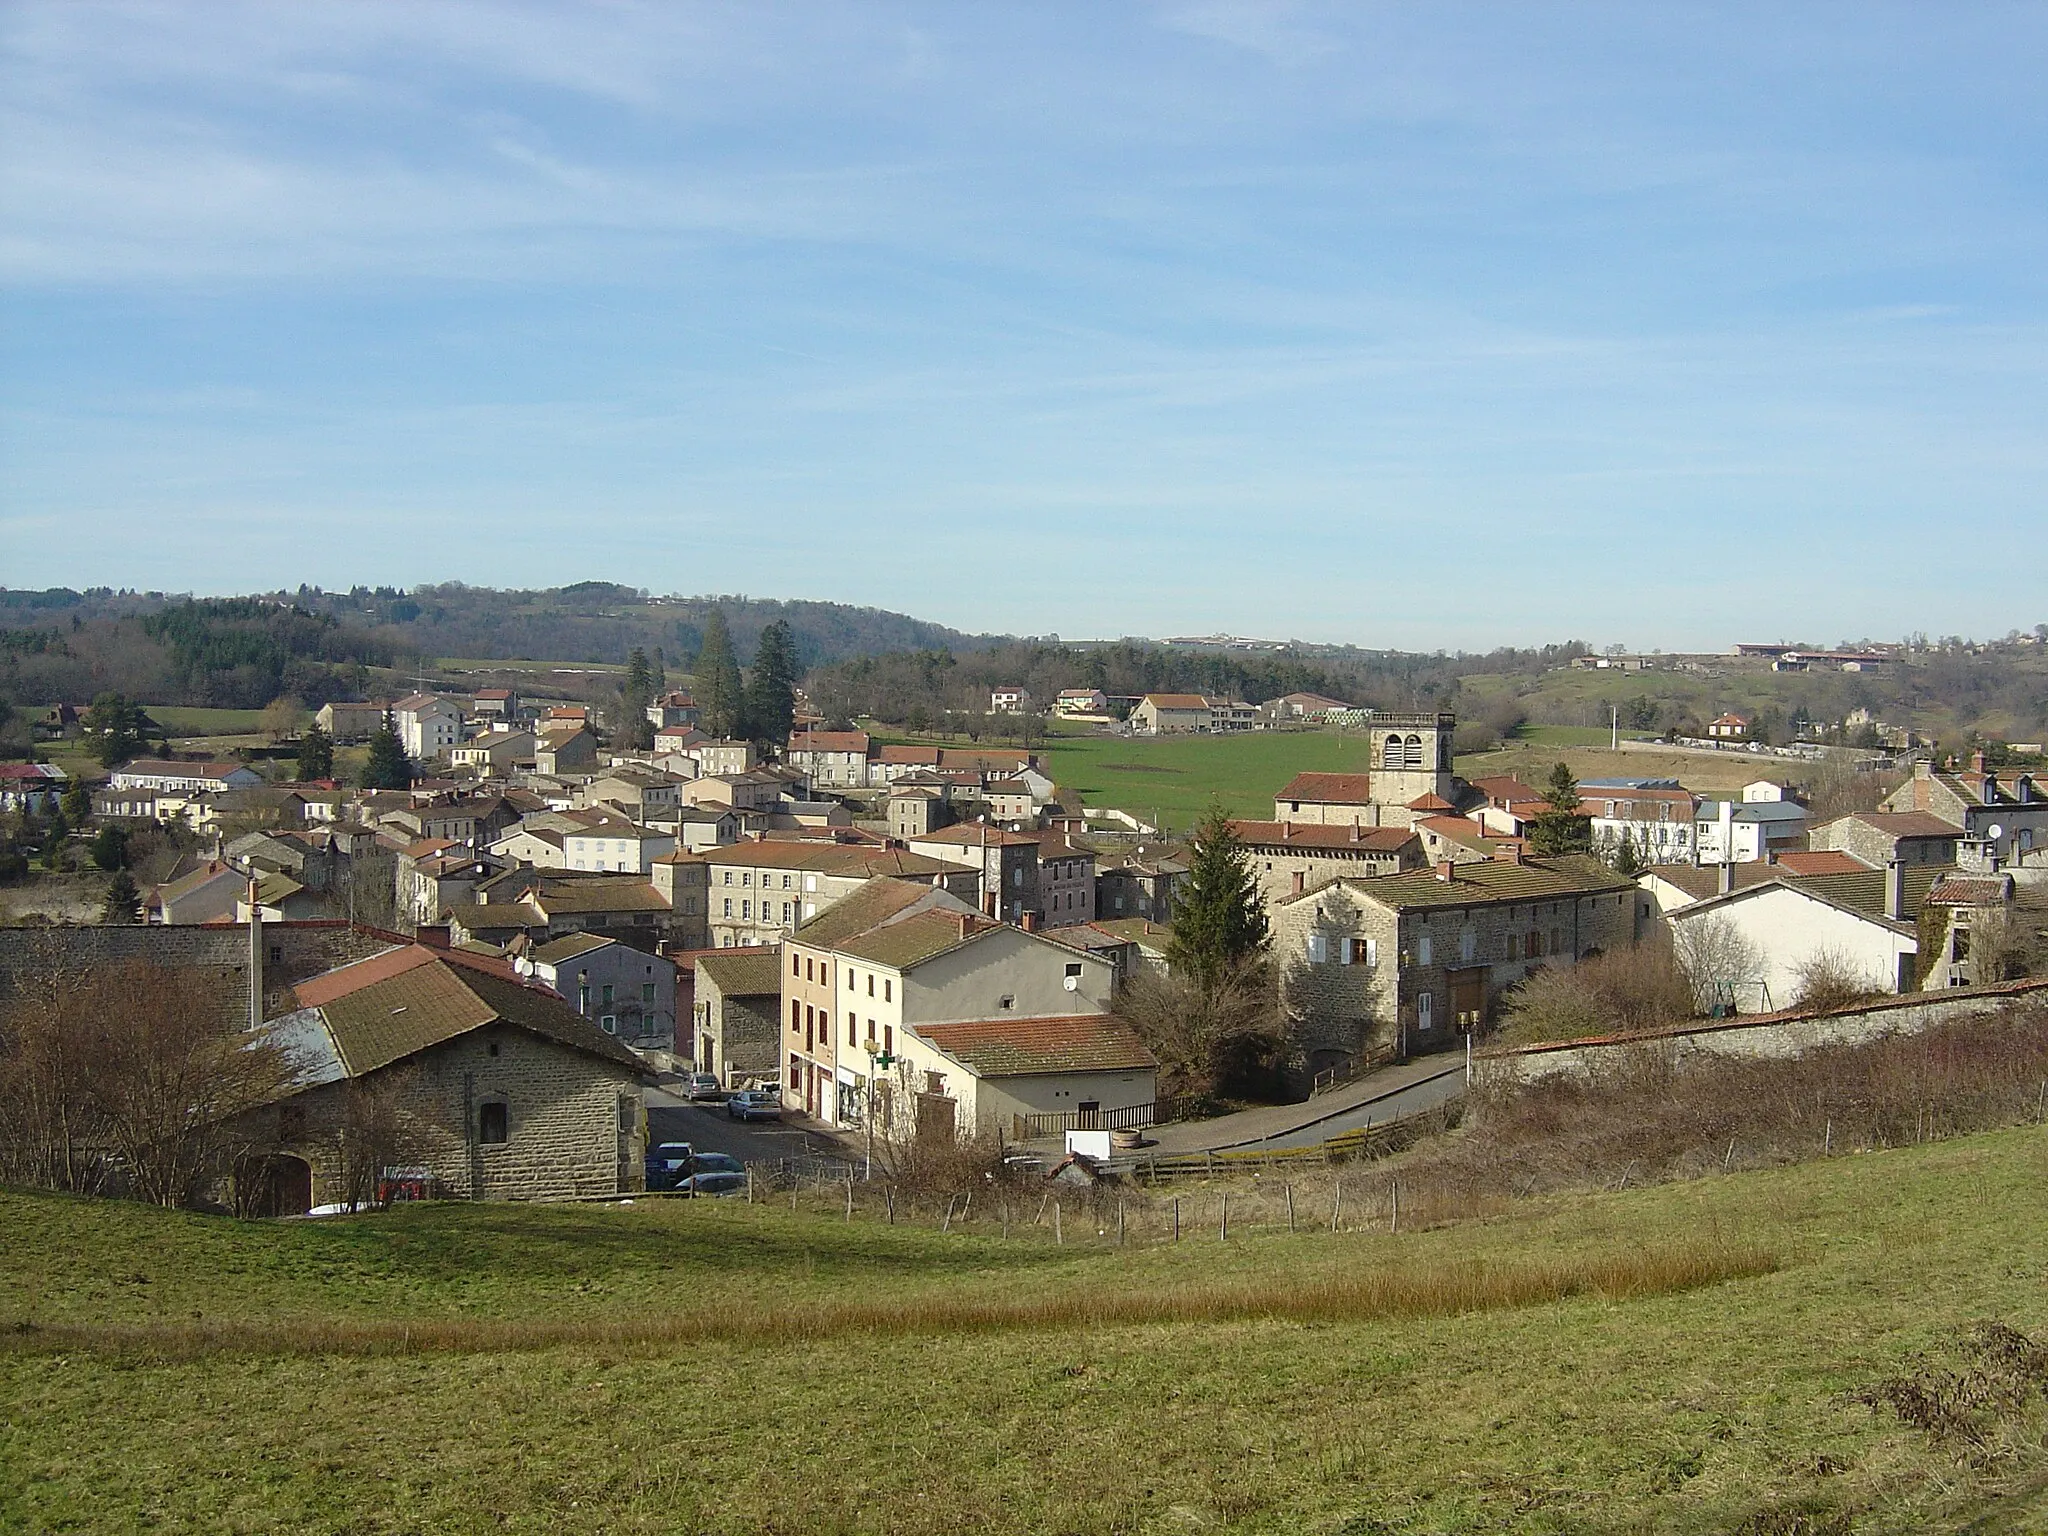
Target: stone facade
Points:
(573, 1124)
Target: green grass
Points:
(182, 721)
(1172, 780)
(1717, 1407)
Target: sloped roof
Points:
(1142, 931)
(927, 757)
(1093, 1042)
(498, 914)
(1904, 823)
(743, 973)
(1188, 701)
(872, 904)
(973, 834)
(915, 939)
(569, 946)
(1820, 862)
(629, 895)
(1309, 837)
(1430, 802)
(1329, 788)
(1493, 880)
(1967, 891)
(829, 741)
(820, 857)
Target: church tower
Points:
(1411, 757)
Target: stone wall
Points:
(1788, 1033)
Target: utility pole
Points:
(1614, 719)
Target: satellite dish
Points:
(1996, 831)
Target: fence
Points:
(1129, 1118)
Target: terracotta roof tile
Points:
(1096, 1042)
(1329, 788)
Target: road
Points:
(1426, 1094)
(710, 1129)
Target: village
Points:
(867, 940)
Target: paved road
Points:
(710, 1129)
(1379, 1096)
(1398, 1105)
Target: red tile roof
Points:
(829, 741)
(1820, 862)
(1188, 701)
(1093, 1042)
(1329, 788)
(1310, 838)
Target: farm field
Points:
(719, 1367)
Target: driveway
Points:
(1392, 1093)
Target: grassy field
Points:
(1172, 780)
(180, 721)
(724, 1368)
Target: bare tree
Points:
(377, 1131)
(1828, 978)
(1619, 992)
(1715, 956)
(131, 1073)
(1205, 1038)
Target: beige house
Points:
(495, 753)
(1169, 714)
(759, 890)
(833, 759)
(851, 999)
(563, 747)
(994, 1077)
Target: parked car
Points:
(716, 1162)
(755, 1104)
(703, 1088)
(713, 1184)
(669, 1163)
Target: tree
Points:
(387, 767)
(1206, 1039)
(1219, 919)
(114, 727)
(283, 718)
(1560, 829)
(771, 690)
(76, 803)
(110, 848)
(1625, 857)
(124, 900)
(316, 754)
(719, 700)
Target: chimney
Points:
(1354, 831)
(1300, 881)
(966, 920)
(255, 957)
(1895, 890)
(989, 899)
(1977, 761)
(1286, 830)
(1507, 853)
(1030, 922)
(1727, 876)
(1443, 870)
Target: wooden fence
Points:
(1129, 1118)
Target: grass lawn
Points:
(1729, 1407)
(1176, 777)
(181, 721)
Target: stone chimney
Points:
(1977, 761)
(1895, 890)
(1507, 853)
(1443, 870)
(1354, 831)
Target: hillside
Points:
(722, 1367)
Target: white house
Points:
(1747, 831)
(1788, 927)
(185, 778)
(1654, 816)
(615, 844)
(427, 724)
(1009, 699)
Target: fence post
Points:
(1223, 1222)
(889, 1201)
(1058, 1236)
(1290, 1207)
(849, 1194)
(1176, 1218)
(1395, 1224)
(1337, 1205)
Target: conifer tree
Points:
(771, 689)
(720, 703)
(1219, 919)
(1560, 829)
(316, 754)
(124, 900)
(388, 767)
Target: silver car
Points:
(703, 1088)
(755, 1104)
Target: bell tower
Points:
(1411, 757)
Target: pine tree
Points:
(388, 767)
(124, 901)
(1219, 919)
(1560, 829)
(719, 700)
(771, 690)
(110, 848)
(316, 754)
(1626, 859)
(76, 803)
(115, 727)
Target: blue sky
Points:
(1424, 325)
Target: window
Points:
(852, 1030)
(1365, 952)
(583, 996)
(646, 991)
(888, 1039)
(606, 999)
(728, 906)
(795, 966)
(1425, 1011)
(1318, 949)
(1007, 1001)
(809, 973)
(728, 877)
(871, 983)
(746, 908)
(785, 882)
(1468, 945)
(887, 987)
(609, 1024)
(1074, 970)
(796, 1015)
(493, 1123)
(1422, 950)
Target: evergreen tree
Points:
(771, 690)
(1219, 919)
(115, 728)
(76, 803)
(110, 848)
(124, 900)
(388, 767)
(719, 700)
(1560, 829)
(1626, 858)
(316, 754)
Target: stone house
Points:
(563, 747)
(499, 706)
(672, 710)
(1005, 864)
(1327, 799)
(1879, 837)
(350, 722)
(488, 1088)
(1167, 714)
(833, 759)
(2009, 815)
(918, 808)
(1408, 963)
(494, 753)
(633, 792)
(1066, 881)
(1288, 858)
(758, 890)
(738, 1014)
(1138, 885)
